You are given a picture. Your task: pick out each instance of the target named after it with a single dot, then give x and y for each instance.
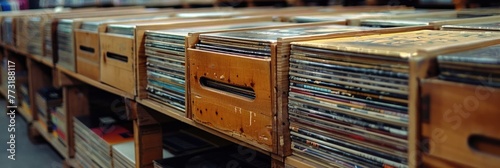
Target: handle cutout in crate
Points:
(485, 144)
(117, 57)
(87, 49)
(245, 92)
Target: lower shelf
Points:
(63, 151)
(25, 112)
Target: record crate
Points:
(87, 50)
(9, 20)
(62, 26)
(417, 51)
(30, 28)
(261, 117)
(460, 122)
(119, 63)
(174, 43)
(436, 19)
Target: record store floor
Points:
(27, 154)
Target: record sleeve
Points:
(493, 26)
(272, 35)
(488, 55)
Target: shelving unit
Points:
(146, 115)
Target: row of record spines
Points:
(65, 37)
(34, 38)
(95, 157)
(121, 161)
(47, 38)
(174, 53)
(344, 150)
(81, 153)
(82, 146)
(260, 50)
(352, 122)
(305, 85)
(94, 141)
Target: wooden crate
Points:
(460, 122)
(29, 30)
(87, 44)
(422, 64)
(436, 19)
(121, 73)
(63, 52)
(422, 67)
(263, 121)
(191, 40)
(12, 14)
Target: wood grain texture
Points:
(148, 139)
(246, 119)
(87, 63)
(116, 73)
(75, 104)
(460, 115)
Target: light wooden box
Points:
(9, 28)
(192, 38)
(460, 122)
(423, 65)
(63, 52)
(263, 121)
(12, 14)
(118, 64)
(86, 38)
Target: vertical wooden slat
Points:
(148, 138)
(75, 104)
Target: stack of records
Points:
(487, 26)
(348, 99)
(83, 149)
(257, 43)
(47, 99)
(35, 37)
(7, 31)
(47, 39)
(94, 145)
(478, 67)
(166, 48)
(93, 26)
(333, 17)
(419, 20)
(58, 122)
(351, 15)
(218, 158)
(65, 46)
(25, 99)
(124, 155)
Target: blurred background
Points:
(12, 5)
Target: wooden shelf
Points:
(63, 151)
(178, 116)
(37, 58)
(94, 83)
